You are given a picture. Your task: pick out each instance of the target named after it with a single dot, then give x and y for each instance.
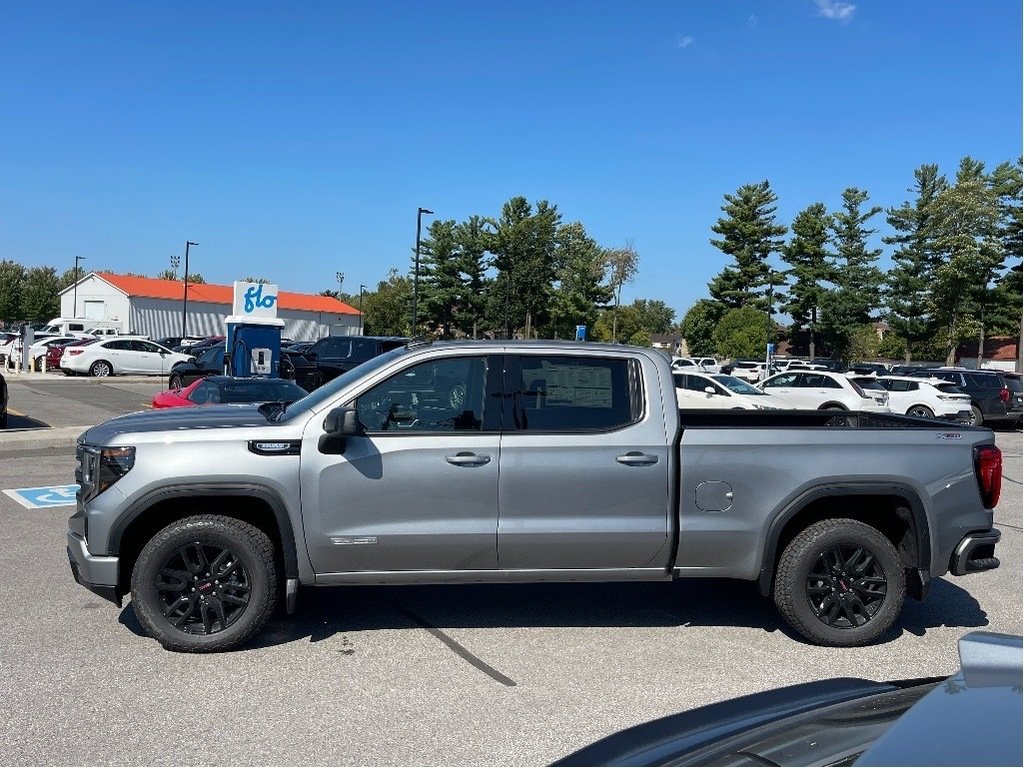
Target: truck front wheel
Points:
(205, 583)
(840, 583)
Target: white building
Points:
(154, 308)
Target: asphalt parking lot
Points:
(455, 675)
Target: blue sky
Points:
(296, 140)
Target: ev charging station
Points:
(253, 339)
(253, 346)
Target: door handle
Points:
(637, 459)
(467, 459)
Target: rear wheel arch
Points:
(894, 509)
(256, 505)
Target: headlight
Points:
(115, 463)
(100, 468)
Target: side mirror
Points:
(340, 423)
(709, 390)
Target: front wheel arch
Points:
(894, 508)
(254, 504)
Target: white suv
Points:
(928, 398)
(826, 390)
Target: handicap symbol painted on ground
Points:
(45, 496)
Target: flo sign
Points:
(254, 300)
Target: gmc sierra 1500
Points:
(523, 461)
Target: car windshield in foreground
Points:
(322, 394)
(738, 386)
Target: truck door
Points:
(584, 476)
(418, 492)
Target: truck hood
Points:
(175, 420)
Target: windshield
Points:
(738, 386)
(317, 397)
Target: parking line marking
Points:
(45, 496)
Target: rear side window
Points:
(981, 381)
(948, 388)
(576, 394)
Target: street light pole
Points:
(361, 289)
(184, 303)
(416, 272)
(74, 309)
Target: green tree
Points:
(474, 237)
(749, 235)
(969, 241)
(12, 282)
(698, 326)
(1005, 316)
(167, 274)
(441, 283)
(524, 255)
(858, 281)
(636, 322)
(39, 301)
(386, 311)
(741, 333)
(864, 343)
(810, 268)
(622, 265)
(581, 289)
(908, 283)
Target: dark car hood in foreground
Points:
(207, 417)
(972, 718)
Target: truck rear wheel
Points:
(205, 583)
(840, 583)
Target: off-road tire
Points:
(249, 575)
(862, 578)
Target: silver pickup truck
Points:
(518, 462)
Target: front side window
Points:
(782, 380)
(573, 394)
(441, 395)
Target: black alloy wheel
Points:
(204, 588)
(846, 587)
(205, 583)
(840, 582)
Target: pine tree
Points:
(810, 269)
(858, 281)
(749, 235)
(972, 255)
(909, 282)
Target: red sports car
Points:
(214, 390)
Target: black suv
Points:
(209, 361)
(995, 395)
(335, 355)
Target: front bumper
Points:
(97, 574)
(975, 552)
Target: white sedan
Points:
(927, 398)
(811, 390)
(697, 390)
(120, 355)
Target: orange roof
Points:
(151, 288)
